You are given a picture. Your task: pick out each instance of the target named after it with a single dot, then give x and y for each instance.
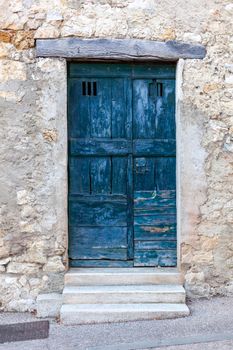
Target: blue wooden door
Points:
(121, 165)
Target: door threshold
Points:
(124, 269)
(123, 276)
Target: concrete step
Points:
(123, 294)
(100, 313)
(122, 276)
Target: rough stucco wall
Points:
(33, 228)
(33, 172)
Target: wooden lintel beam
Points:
(118, 49)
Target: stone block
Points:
(48, 305)
(5, 36)
(50, 135)
(54, 16)
(54, 264)
(22, 197)
(229, 79)
(23, 281)
(192, 37)
(169, 34)
(9, 95)
(211, 87)
(24, 39)
(17, 267)
(203, 258)
(47, 31)
(195, 277)
(12, 70)
(5, 261)
(4, 49)
(22, 305)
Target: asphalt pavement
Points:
(210, 326)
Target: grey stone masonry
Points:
(33, 130)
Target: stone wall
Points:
(33, 231)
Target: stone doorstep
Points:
(123, 294)
(96, 295)
(102, 313)
(122, 276)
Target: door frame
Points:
(178, 99)
(148, 74)
(113, 50)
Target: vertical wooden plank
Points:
(140, 108)
(151, 109)
(79, 179)
(119, 175)
(119, 114)
(78, 111)
(129, 133)
(100, 109)
(144, 174)
(143, 109)
(165, 173)
(128, 83)
(130, 214)
(100, 175)
(165, 110)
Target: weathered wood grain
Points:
(98, 243)
(155, 245)
(96, 237)
(100, 263)
(125, 71)
(99, 147)
(124, 49)
(97, 213)
(154, 147)
(90, 253)
(154, 210)
(154, 198)
(150, 233)
(154, 172)
(151, 220)
(155, 258)
(84, 197)
(130, 212)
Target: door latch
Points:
(141, 166)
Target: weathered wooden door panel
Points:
(122, 203)
(87, 212)
(98, 243)
(154, 172)
(154, 109)
(99, 149)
